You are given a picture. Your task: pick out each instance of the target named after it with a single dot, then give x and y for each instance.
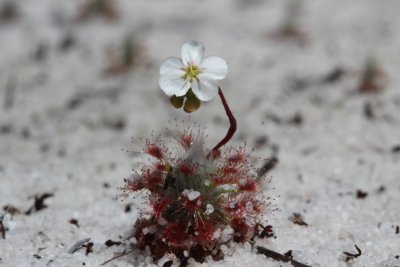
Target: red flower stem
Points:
(232, 127)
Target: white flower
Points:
(178, 75)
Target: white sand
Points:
(322, 163)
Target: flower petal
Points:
(214, 68)
(192, 53)
(173, 85)
(205, 89)
(171, 81)
(172, 66)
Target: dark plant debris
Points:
(2, 228)
(99, 8)
(274, 118)
(369, 112)
(110, 243)
(128, 207)
(351, 256)
(267, 231)
(74, 221)
(334, 76)
(361, 194)
(168, 263)
(74, 103)
(9, 11)
(6, 129)
(381, 189)
(89, 248)
(296, 120)
(397, 230)
(116, 257)
(260, 141)
(67, 43)
(268, 165)
(39, 202)
(118, 124)
(11, 210)
(302, 83)
(78, 245)
(286, 257)
(396, 149)
(297, 218)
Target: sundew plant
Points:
(199, 199)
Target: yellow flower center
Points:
(191, 72)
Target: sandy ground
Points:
(63, 123)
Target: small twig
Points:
(396, 149)
(287, 257)
(74, 222)
(78, 245)
(298, 219)
(110, 243)
(118, 256)
(334, 76)
(266, 231)
(2, 228)
(89, 248)
(268, 165)
(11, 210)
(39, 202)
(232, 127)
(352, 255)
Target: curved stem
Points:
(232, 127)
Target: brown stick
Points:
(232, 127)
(280, 257)
(116, 257)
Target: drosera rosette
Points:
(199, 199)
(197, 202)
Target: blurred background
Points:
(91, 66)
(312, 82)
